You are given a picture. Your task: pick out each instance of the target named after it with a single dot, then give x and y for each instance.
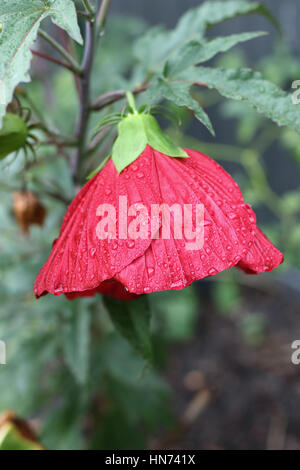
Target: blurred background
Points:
(223, 376)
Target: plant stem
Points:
(109, 98)
(59, 144)
(54, 60)
(92, 31)
(88, 7)
(131, 101)
(84, 14)
(83, 118)
(101, 17)
(61, 50)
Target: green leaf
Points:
(13, 134)
(195, 52)
(132, 320)
(63, 13)
(77, 342)
(249, 86)
(154, 48)
(135, 131)
(179, 93)
(212, 13)
(20, 22)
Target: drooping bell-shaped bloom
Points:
(112, 241)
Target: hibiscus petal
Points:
(79, 260)
(262, 256)
(109, 287)
(229, 227)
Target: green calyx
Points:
(136, 130)
(13, 135)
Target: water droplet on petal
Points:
(130, 243)
(150, 271)
(58, 290)
(114, 245)
(92, 252)
(207, 223)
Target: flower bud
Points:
(13, 134)
(28, 210)
(16, 434)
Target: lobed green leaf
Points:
(158, 44)
(20, 21)
(196, 52)
(178, 91)
(250, 87)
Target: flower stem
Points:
(92, 30)
(112, 97)
(61, 50)
(131, 101)
(54, 60)
(84, 107)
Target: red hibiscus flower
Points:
(83, 262)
